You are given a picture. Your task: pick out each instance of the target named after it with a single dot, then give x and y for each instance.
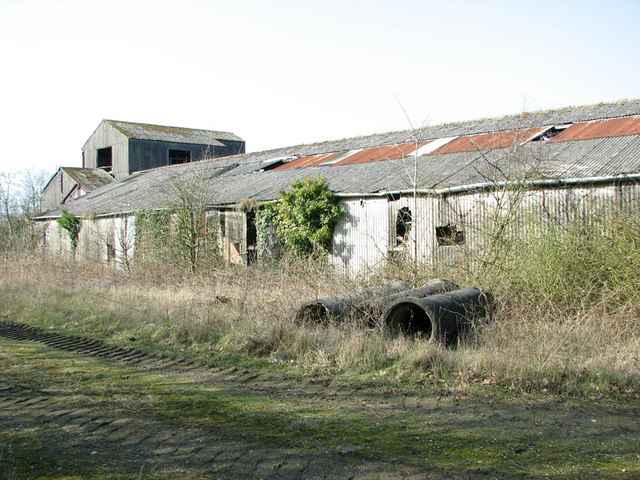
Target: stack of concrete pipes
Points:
(439, 310)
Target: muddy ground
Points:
(77, 408)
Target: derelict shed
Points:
(69, 183)
(123, 148)
(428, 194)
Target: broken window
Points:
(179, 156)
(105, 158)
(404, 222)
(449, 235)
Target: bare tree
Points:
(32, 184)
(8, 204)
(19, 202)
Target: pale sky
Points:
(287, 72)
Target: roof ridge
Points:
(158, 126)
(463, 123)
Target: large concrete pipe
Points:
(440, 317)
(368, 303)
(432, 287)
(331, 308)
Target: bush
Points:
(307, 216)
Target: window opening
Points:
(252, 238)
(111, 251)
(404, 222)
(449, 235)
(177, 157)
(105, 158)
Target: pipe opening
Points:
(409, 319)
(314, 313)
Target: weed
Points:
(565, 319)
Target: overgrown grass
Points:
(565, 322)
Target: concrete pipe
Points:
(331, 308)
(441, 317)
(433, 287)
(368, 303)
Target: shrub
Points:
(307, 216)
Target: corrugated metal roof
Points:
(162, 133)
(230, 179)
(306, 161)
(600, 129)
(486, 141)
(378, 154)
(455, 129)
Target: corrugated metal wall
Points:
(485, 215)
(102, 240)
(361, 238)
(367, 237)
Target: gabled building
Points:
(117, 149)
(69, 183)
(428, 194)
(123, 148)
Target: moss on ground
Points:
(455, 434)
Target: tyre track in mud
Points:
(158, 447)
(129, 357)
(162, 449)
(320, 387)
(175, 449)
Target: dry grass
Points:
(572, 333)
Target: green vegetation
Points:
(71, 224)
(19, 202)
(180, 237)
(565, 318)
(564, 332)
(453, 434)
(152, 239)
(307, 216)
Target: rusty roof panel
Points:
(488, 141)
(377, 154)
(230, 179)
(308, 161)
(614, 127)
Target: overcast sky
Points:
(286, 72)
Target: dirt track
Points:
(71, 426)
(166, 449)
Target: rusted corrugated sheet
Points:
(614, 127)
(377, 154)
(308, 161)
(488, 141)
